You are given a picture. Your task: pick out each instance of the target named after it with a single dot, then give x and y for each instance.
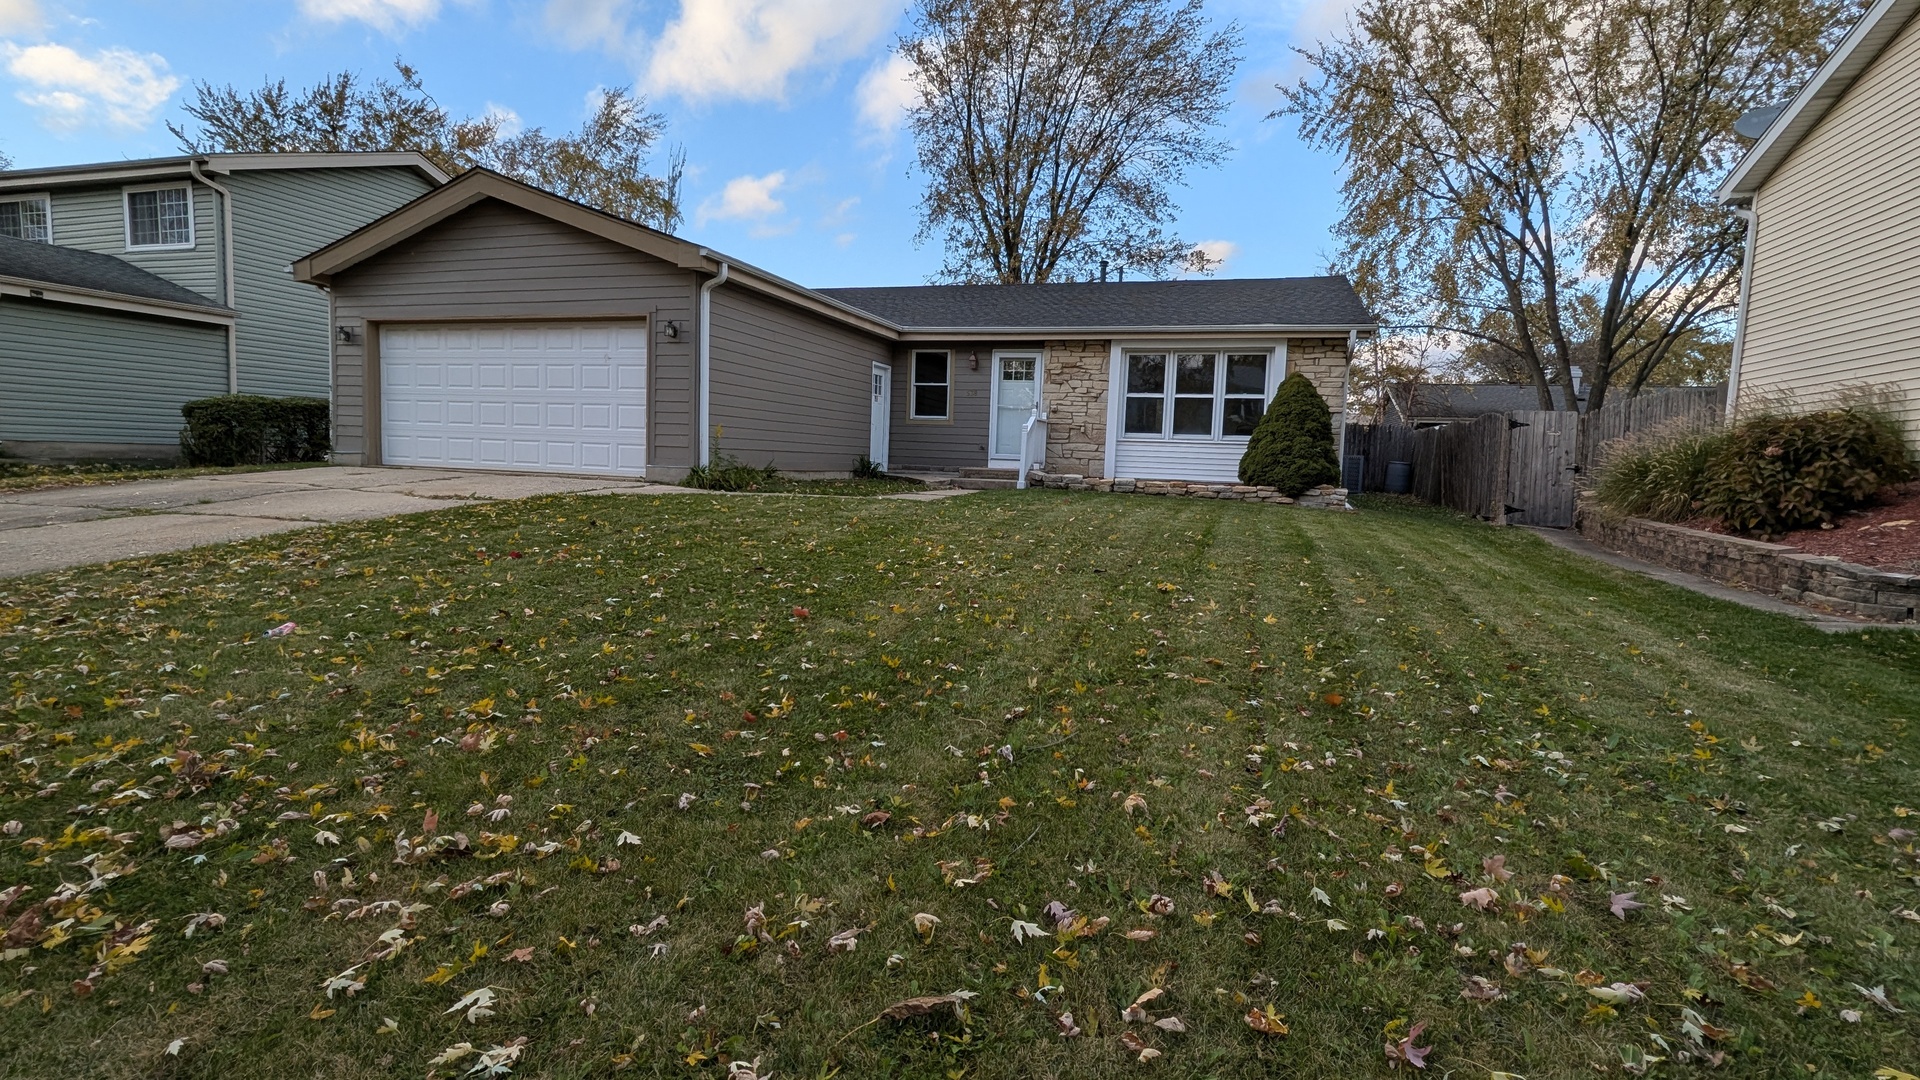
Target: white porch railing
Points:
(1036, 425)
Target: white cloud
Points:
(886, 93)
(386, 15)
(113, 87)
(509, 121)
(749, 48)
(20, 16)
(1218, 252)
(745, 198)
(582, 24)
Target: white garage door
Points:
(539, 397)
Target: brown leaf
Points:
(1266, 1021)
(921, 1006)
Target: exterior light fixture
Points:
(973, 360)
(344, 335)
(670, 330)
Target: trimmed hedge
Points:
(247, 429)
(1292, 447)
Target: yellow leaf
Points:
(479, 950)
(320, 1012)
(445, 974)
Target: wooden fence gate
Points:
(1543, 458)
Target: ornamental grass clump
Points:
(1292, 446)
(1659, 474)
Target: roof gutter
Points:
(31, 289)
(226, 271)
(1751, 215)
(704, 453)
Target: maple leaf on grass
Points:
(1403, 1052)
(1622, 902)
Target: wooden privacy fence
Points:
(1518, 468)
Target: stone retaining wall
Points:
(1324, 498)
(1783, 571)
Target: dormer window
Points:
(28, 217)
(159, 217)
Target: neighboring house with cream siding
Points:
(1831, 193)
(128, 288)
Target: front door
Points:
(1016, 390)
(880, 430)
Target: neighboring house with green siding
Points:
(179, 286)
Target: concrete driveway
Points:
(74, 526)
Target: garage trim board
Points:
(560, 397)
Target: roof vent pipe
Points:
(704, 452)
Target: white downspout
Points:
(705, 452)
(1751, 215)
(226, 271)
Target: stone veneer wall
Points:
(1075, 390)
(1786, 572)
(1076, 395)
(1324, 362)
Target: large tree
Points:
(1050, 131)
(602, 164)
(1536, 175)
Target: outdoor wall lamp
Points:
(670, 330)
(344, 335)
(973, 360)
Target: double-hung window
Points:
(932, 386)
(27, 217)
(160, 217)
(1198, 395)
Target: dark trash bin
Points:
(1399, 477)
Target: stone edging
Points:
(1783, 571)
(1322, 498)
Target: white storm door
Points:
(1016, 390)
(880, 432)
(529, 397)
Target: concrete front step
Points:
(990, 474)
(984, 483)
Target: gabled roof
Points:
(164, 168)
(47, 271)
(477, 185)
(1316, 304)
(1302, 303)
(1851, 58)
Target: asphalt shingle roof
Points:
(1468, 400)
(74, 268)
(1205, 302)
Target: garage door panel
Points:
(563, 398)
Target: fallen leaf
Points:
(1622, 902)
(1480, 899)
(1266, 1021)
(1404, 1052)
(921, 1006)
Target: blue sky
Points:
(787, 108)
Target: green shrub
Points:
(1778, 472)
(724, 472)
(865, 468)
(1661, 474)
(1292, 446)
(246, 429)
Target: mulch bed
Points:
(1885, 535)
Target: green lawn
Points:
(673, 778)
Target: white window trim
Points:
(1276, 353)
(914, 384)
(126, 217)
(32, 196)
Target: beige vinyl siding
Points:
(74, 374)
(493, 261)
(94, 219)
(1835, 295)
(280, 215)
(961, 441)
(790, 388)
